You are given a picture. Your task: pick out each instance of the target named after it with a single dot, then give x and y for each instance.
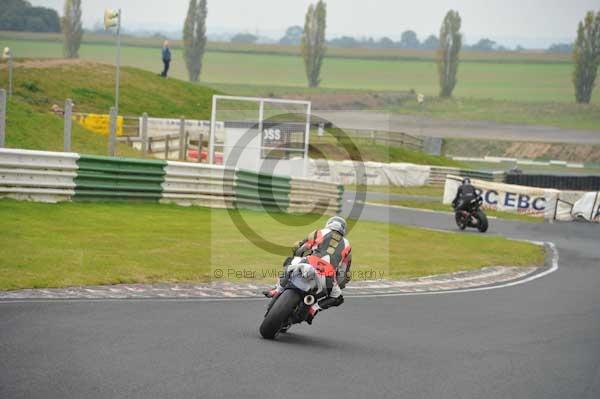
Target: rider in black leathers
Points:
(465, 193)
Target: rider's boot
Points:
(312, 312)
(273, 293)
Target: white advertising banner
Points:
(531, 201)
(572, 205)
(375, 173)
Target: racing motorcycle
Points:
(305, 286)
(473, 216)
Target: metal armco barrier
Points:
(37, 175)
(58, 176)
(559, 182)
(437, 175)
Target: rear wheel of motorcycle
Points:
(460, 221)
(483, 222)
(279, 313)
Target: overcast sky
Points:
(533, 23)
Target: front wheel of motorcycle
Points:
(279, 313)
(483, 222)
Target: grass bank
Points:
(39, 84)
(57, 245)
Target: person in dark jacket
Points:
(465, 193)
(166, 58)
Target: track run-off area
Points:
(535, 339)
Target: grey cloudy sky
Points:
(529, 22)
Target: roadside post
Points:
(182, 138)
(112, 18)
(145, 133)
(421, 102)
(68, 124)
(7, 55)
(112, 137)
(2, 117)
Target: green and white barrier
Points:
(37, 175)
(54, 176)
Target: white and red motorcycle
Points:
(305, 286)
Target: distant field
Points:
(534, 56)
(524, 82)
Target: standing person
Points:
(166, 58)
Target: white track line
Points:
(552, 269)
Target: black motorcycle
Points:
(473, 216)
(303, 289)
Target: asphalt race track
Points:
(425, 126)
(535, 340)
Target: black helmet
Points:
(466, 180)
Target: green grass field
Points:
(430, 191)
(335, 52)
(523, 82)
(504, 87)
(54, 245)
(31, 125)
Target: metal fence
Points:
(393, 139)
(559, 182)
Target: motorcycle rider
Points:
(465, 193)
(324, 247)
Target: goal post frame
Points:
(261, 101)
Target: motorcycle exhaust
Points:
(309, 300)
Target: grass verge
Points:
(70, 244)
(514, 110)
(438, 206)
(430, 191)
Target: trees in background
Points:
(484, 44)
(345, 42)
(586, 55)
(247, 38)
(293, 36)
(560, 48)
(72, 29)
(19, 15)
(409, 40)
(447, 54)
(194, 38)
(432, 42)
(313, 41)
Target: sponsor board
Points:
(548, 203)
(531, 201)
(371, 173)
